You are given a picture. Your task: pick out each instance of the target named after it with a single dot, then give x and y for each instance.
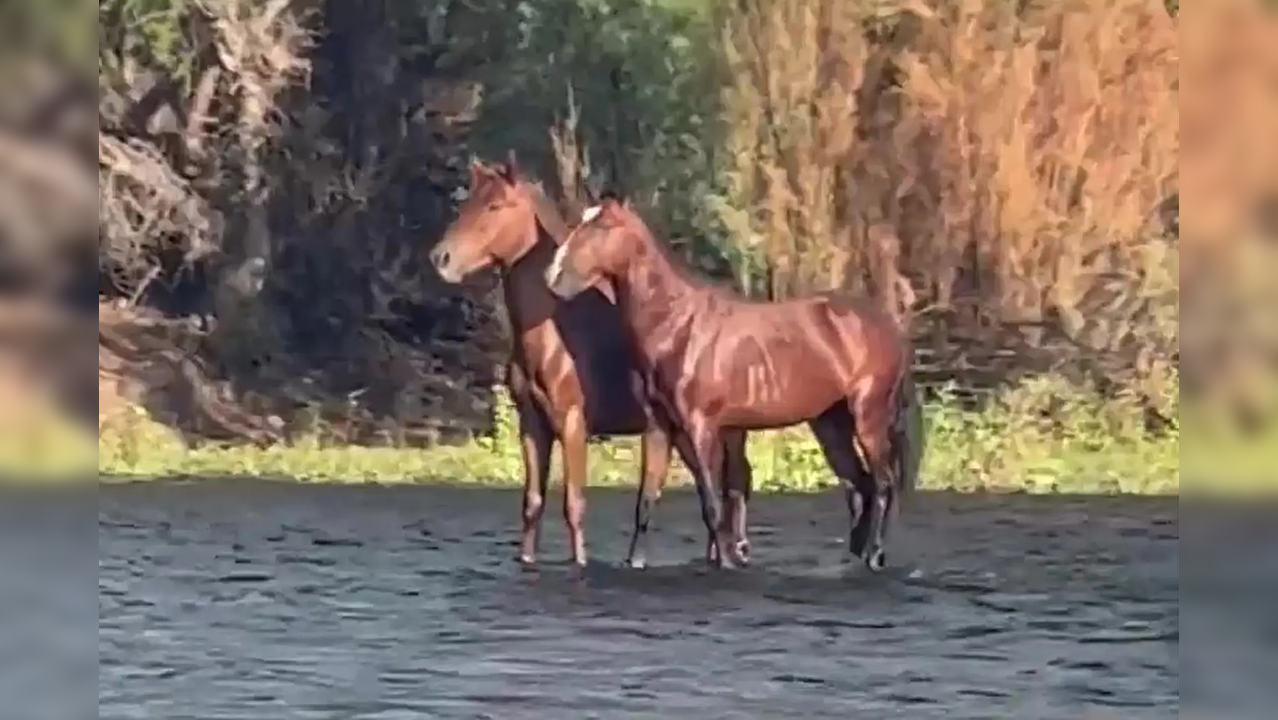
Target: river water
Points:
(271, 600)
(265, 600)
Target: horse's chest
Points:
(666, 380)
(543, 361)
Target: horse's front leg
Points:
(704, 443)
(654, 467)
(682, 442)
(573, 437)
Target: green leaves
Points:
(1009, 445)
(154, 34)
(643, 84)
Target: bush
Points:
(1036, 438)
(1006, 174)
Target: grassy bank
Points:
(1083, 446)
(39, 445)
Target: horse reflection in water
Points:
(717, 363)
(572, 371)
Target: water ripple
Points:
(237, 601)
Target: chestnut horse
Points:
(572, 371)
(716, 362)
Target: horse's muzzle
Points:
(442, 259)
(564, 283)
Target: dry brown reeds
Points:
(1004, 152)
(1229, 218)
(1009, 161)
(1229, 109)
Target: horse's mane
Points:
(682, 270)
(552, 221)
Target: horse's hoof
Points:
(637, 562)
(742, 550)
(727, 559)
(856, 549)
(876, 561)
(526, 561)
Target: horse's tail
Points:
(908, 438)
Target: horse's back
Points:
(866, 338)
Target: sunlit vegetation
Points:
(271, 175)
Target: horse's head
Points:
(600, 249)
(496, 224)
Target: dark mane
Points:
(693, 278)
(698, 280)
(552, 221)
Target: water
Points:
(245, 600)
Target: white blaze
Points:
(556, 265)
(557, 262)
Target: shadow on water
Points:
(359, 602)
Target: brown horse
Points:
(717, 362)
(572, 372)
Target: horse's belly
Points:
(767, 404)
(755, 417)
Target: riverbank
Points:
(1086, 448)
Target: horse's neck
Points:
(524, 285)
(655, 295)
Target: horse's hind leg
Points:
(835, 432)
(654, 468)
(738, 485)
(874, 414)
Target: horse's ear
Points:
(511, 171)
(611, 206)
(594, 190)
(477, 172)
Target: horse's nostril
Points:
(440, 258)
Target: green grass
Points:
(1041, 437)
(1217, 461)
